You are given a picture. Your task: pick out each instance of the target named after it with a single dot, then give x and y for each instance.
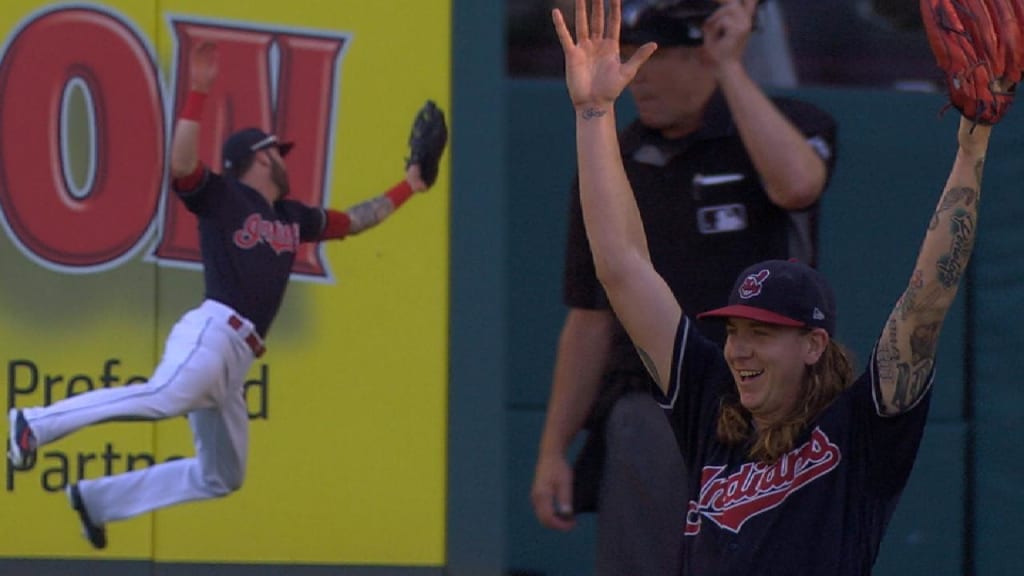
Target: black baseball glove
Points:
(427, 141)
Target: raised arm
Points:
(595, 77)
(185, 141)
(906, 348)
(793, 174)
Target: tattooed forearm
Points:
(952, 198)
(591, 113)
(370, 213)
(950, 266)
(652, 369)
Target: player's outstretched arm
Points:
(906, 348)
(185, 141)
(595, 76)
(427, 141)
(365, 215)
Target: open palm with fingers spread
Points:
(594, 71)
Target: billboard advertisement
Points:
(99, 259)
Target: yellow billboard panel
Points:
(347, 409)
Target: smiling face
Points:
(671, 89)
(769, 365)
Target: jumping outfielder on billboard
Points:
(249, 234)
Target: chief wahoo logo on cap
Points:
(752, 284)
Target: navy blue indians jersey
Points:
(820, 509)
(248, 245)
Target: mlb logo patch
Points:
(722, 218)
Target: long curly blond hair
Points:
(825, 379)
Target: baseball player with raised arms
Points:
(794, 466)
(724, 176)
(249, 234)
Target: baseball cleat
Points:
(21, 444)
(96, 535)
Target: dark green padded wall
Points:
(476, 411)
(998, 362)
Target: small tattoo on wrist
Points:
(591, 113)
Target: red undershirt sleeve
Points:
(337, 226)
(399, 193)
(191, 181)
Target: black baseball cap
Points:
(667, 22)
(246, 142)
(783, 292)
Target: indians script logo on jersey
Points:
(752, 284)
(280, 236)
(729, 501)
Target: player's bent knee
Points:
(235, 484)
(219, 487)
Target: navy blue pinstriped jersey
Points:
(822, 508)
(248, 245)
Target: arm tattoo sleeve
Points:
(370, 213)
(907, 347)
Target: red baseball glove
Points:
(979, 44)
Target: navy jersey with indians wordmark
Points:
(822, 508)
(248, 245)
